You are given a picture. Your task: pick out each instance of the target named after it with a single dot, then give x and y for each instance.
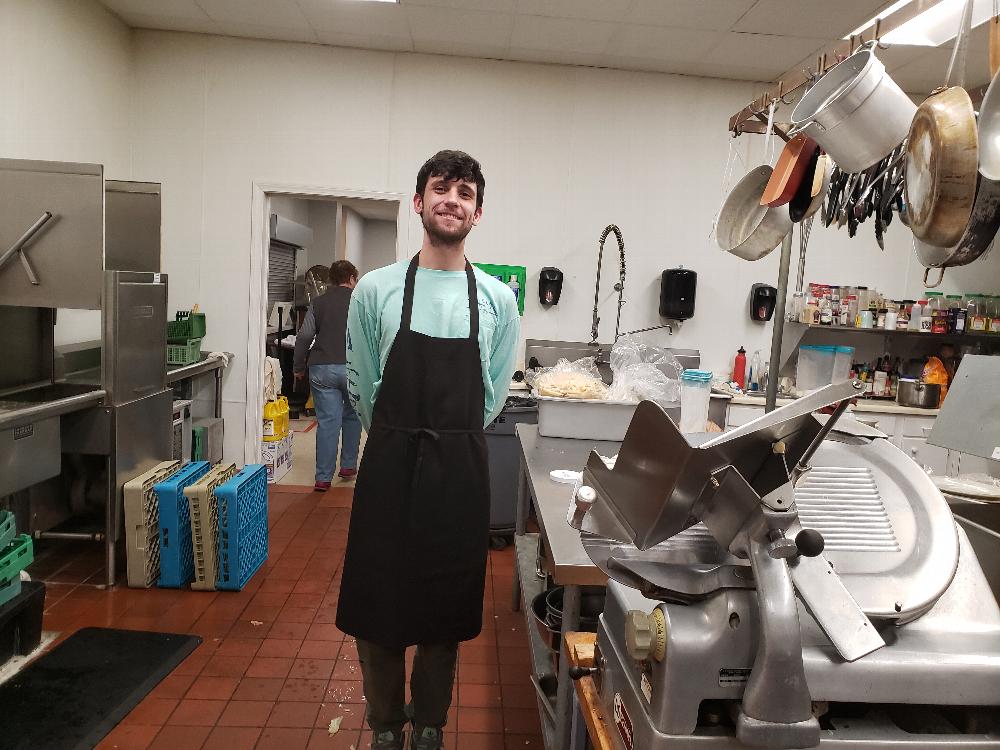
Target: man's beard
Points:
(443, 238)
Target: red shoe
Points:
(321, 486)
(347, 473)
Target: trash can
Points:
(505, 463)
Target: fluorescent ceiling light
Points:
(934, 26)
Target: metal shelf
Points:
(967, 336)
(525, 554)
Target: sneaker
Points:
(388, 740)
(347, 473)
(321, 486)
(426, 738)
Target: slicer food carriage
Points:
(795, 582)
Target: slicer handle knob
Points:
(640, 632)
(585, 497)
(575, 673)
(810, 542)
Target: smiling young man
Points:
(430, 351)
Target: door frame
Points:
(260, 240)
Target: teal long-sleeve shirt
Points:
(440, 309)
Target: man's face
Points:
(448, 209)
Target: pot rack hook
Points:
(782, 96)
(927, 284)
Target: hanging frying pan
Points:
(803, 197)
(941, 167)
(788, 172)
(745, 228)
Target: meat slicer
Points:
(795, 582)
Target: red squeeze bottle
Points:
(740, 368)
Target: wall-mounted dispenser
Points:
(762, 300)
(677, 292)
(550, 281)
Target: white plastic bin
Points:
(843, 358)
(587, 419)
(696, 394)
(815, 367)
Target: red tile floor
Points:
(273, 669)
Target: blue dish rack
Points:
(176, 547)
(242, 539)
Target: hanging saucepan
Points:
(975, 241)
(941, 167)
(856, 112)
(746, 228)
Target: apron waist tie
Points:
(419, 436)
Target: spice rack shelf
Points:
(795, 334)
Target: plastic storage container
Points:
(842, 360)
(505, 457)
(696, 393)
(815, 367)
(585, 419)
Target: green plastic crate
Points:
(7, 530)
(187, 326)
(17, 556)
(184, 354)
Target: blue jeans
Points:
(335, 416)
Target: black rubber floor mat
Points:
(71, 697)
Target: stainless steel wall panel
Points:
(67, 253)
(131, 226)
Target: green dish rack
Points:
(185, 353)
(187, 326)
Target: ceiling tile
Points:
(181, 9)
(366, 41)
(562, 34)
(592, 10)
(819, 19)
(718, 15)
(468, 27)
(359, 19)
(279, 13)
(762, 51)
(662, 43)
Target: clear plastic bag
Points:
(643, 373)
(579, 379)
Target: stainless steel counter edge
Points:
(197, 368)
(58, 407)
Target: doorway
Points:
(367, 228)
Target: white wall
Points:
(378, 245)
(352, 231)
(65, 95)
(565, 151)
(323, 220)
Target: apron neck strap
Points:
(411, 277)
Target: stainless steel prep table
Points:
(565, 560)
(216, 365)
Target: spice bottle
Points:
(903, 316)
(976, 314)
(891, 316)
(926, 315)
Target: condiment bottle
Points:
(891, 316)
(880, 320)
(916, 310)
(926, 315)
(953, 303)
(976, 313)
(740, 368)
(903, 316)
(994, 314)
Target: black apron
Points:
(415, 565)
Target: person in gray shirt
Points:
(322, 342)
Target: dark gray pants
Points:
(431, 682)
